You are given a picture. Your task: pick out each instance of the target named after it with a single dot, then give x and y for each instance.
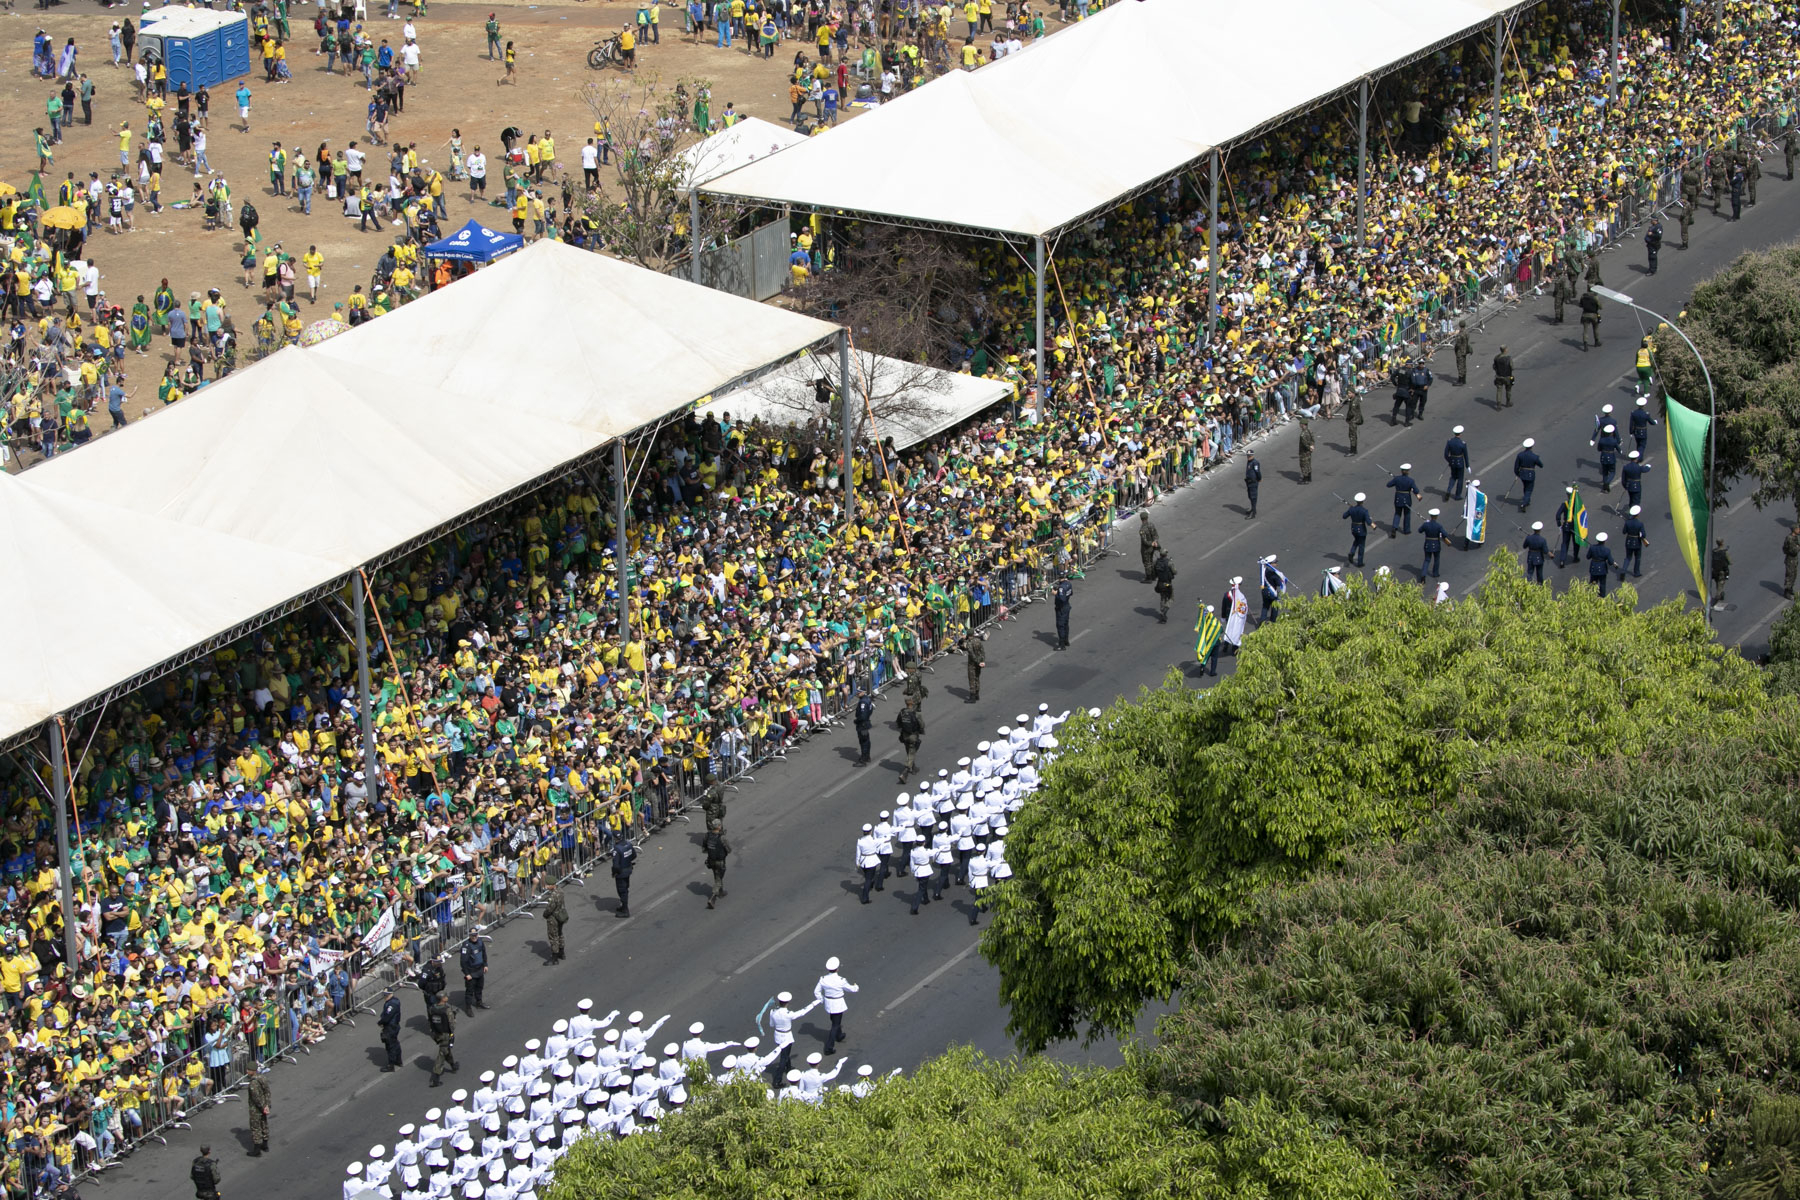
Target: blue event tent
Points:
(474, 242)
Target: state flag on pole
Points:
(1210, 629)
(1238, 617)
(1475, 515)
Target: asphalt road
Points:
(792, 885)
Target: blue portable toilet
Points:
(200, 47)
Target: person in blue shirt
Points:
(831, 105)
(243, 103)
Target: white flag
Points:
(1236, 619)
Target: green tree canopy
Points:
(1746, 322)
(969, 1127)
(1351, 719)
(1578, 984)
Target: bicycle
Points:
(605, 53)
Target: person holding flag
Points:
(1333, 583)
(1212, 632)
(1237, 614)
(1274, 586)
(1571, 518)
(1474, 515)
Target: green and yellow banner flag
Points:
(1578, 517)
(1210, 629)
(1687, 433)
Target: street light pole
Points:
(1712, 423)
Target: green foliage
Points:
(1574, 985)
(967, 1126)
(1351, 719)
(1783, 675)
(1772, 1170)
(1746, 322)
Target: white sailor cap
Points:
(585, 1005)
(784, 997)
(865, 1070)
(487, 1077)
(814, 1059)
(867, 828)
(560, 1027)
(1432, 512)
(1021, 719)
(1636, 509)
(459, 1095)
(353, 1169)
(1406, 466)
(407, 1131)
(831, 964)
(533, 1045)
(699, 1027)
(1043, 708)
(1093, 712)
(612, 1035)
(594, 1098)
(1528, 443)
(1457, 429)
(1236, 579)
(1331, 570)
(1361, 496)
(564, 1070)
(672, 1050)
(1633, 454)
(472, 1190)
(635, 1017)
(377, 1153)
(433, 1114)
(545, 1133)
(464, 1142)
(1606, 408)
(1538, 525)
(586, 1051)
(510, 1061)
(793, 1077)
(752, 1042)
(1599, 537)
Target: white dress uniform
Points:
(959, 781)
(633, 1039)
(920, 861)
(943, 847)
(558, 1045)
(962, 829)
(830, 991)
(924, 819)
(587, 1071)
(623, 1111)
(868, 852)
(583, 1027)
(612, 1061)
(812, 1082)
(997, 863)
(781, 1023)
(531, 1063)
(696, 1048)
(884, 836)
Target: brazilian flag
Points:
(936, 597)
(1687, 433)
(1578, 517)
(1210, 629)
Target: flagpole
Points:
(1712, 425)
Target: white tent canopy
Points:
(291, 475)
(1039, 140)
(734, 146)
(913, 402)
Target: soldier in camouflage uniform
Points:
(260, 1101)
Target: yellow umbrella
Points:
(60, 217)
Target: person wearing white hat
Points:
(977, 871)
(782, 1018)
(559, 1043)
(830, 990)
(790, 1087)
(1631, 477)
(1607, 443)
(1525, 468)
(1641, 421)
(812, 1080)
(1405, 492)
(1433, 533)
(884, 831)
(1333, 582)
(1570, 545)
(1600, 562)
(1360, 520)
(865, 1082)
(634, 1038)
(696, 1048)
(1635, 541)
(583, 1027)
(1536, 551)
(1456, 457)
(354, 1185)
(868, 860)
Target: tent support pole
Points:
(365, 705)
(1499, 70)
(621, 548)
(65, 876)
(1362, 154)
(1612, 66)
(1043, 385)
(694, 230)
(847, 472)
(1212, 250)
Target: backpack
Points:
(201, 1173)
(716, 850)
(439, 1018)
(248, 213)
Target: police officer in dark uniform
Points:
(1721, 571)
(1433, 533)
(474, 960)
(1653, 239)
(1569, 547)
(1359, 519)
(442, 1019)
(975, 655)
(1600, 562)
(912, 732)
(1635, 541)
(1353, 417)
(1252, 481)
(624, 861)
(1641, 421)
(1536, 550)
(1421, 387)
(1404, 401)
(1405, 492)
(1590, 318)
(1503, 379)
(1165, 585)
(1525, 468)
(1456, 456)
(1062, 599)
(1608, 446)
(863, 721)
(431, 976)
(1631, 476)
(389, 1024)
(1462, 350)
(204, 1173)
